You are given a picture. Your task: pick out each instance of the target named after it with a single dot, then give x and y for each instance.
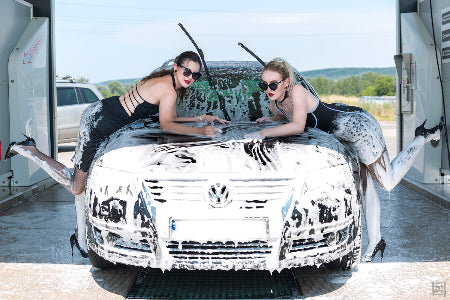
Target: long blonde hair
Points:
(281, 66)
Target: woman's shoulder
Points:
(163, 83)
(298, 91)
(302, 92)
(157, 89)
(303, 98)
(299, 88)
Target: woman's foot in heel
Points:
(368, 257)
(430, 134)
(10, 152)
(74, 242)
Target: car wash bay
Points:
(36, 259)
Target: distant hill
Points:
(331, 73)
(122, 81)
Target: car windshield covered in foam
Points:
(168, 201)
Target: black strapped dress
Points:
(99, 121)
(359, 129)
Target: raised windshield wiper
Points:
(200, 53)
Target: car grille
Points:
(306, 244)
(218, 250)
(142, 246)
(253, 193)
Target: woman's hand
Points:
(211, 131)
(264, 119)
(212, 119)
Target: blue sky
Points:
(111, 39)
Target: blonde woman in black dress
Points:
(360, 130)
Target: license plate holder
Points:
(219, 230)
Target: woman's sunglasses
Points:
(273, 86)
(187, 72)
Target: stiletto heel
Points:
(379, 247)
(27, 142)
(74, 242)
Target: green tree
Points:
(368, 84)
(348, 86)
(369, 91)
(323, 86)
(116, 88)
(368, 80)
(104, 91)
(128, 86)
(82, 79)
(385, 85)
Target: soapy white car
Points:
(167, 201)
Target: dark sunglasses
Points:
(187, 72)
(273, 86)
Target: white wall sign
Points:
(445, 35)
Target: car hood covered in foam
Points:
(142, 147)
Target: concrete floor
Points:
(36, 260)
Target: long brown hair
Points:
(180, 59)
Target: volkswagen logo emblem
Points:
(218, 194)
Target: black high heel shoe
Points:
(74, 242)
(28, 142)
(379, 247)
(422, 131)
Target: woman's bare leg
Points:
(73, 180)
(371, 207)
(80, 209)
(388, 174)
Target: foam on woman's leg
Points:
(81, 221)
(388, 174)
(55, 169)
(371, 207)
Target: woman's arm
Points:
(298, 120)
(188, 119)
(167, 116)
(202, 118)
(275, 115)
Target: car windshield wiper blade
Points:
(252, 54)
(200, 53)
